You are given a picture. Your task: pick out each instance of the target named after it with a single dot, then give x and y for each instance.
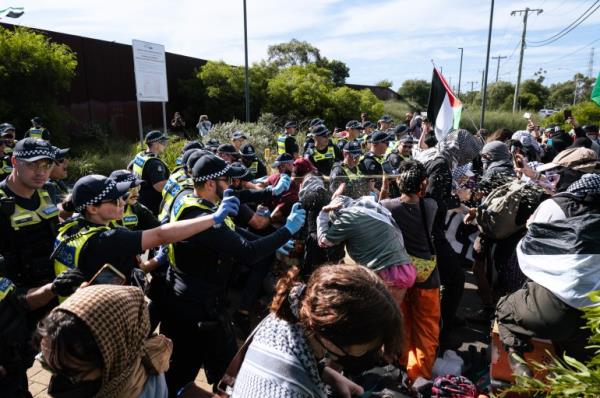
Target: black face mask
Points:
(62, 387)
(356, 365)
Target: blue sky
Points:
(377, 39)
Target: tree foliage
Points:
(34, 72)
(385, 83)
(416, 91)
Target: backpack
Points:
(506, 209)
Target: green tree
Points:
(339, 70)
(348, 104)
(416, 91)
(34, 72)
(385, 83)
(561, 94)
(499, 96)
(294, 52)
(532, 88)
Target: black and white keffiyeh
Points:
(588, 183)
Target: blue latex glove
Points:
(287, 248)
(295, 220)
(229, 207)
(282, 185)
(162, 255)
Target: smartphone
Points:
(567, 113)
(424, 114)
(108, 275)
(527, 115)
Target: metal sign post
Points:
(150, 68)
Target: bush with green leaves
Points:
(568, 377)
(33, 73)
(587, 112)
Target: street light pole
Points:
(460, 70)
(487, 66)
(246, 80)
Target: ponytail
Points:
(280, 305)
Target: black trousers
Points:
(452, 278)
(534, 311)
(211, 346)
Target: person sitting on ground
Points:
(344, 315)
(96, 344)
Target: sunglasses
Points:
(44, 165)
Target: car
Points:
(546, 112)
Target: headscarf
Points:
(458, 148)
(587, 184)
(118, 318)
(527, 140)
(498, 155)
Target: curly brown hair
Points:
(347, 304)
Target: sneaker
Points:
(518, 367)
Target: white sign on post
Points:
(150, 69)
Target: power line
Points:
(567, 29)
(571, 53)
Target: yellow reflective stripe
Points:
(281, 144)
(329, 155)
(23, 217)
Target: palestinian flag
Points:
(563, 256)
(444, 107)
(596, 91)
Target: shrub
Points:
(584, 112)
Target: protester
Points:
(96, 344)
(204, 126)
(177, 124)
(148, 167)
(281, 206)
(324, 319)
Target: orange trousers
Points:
(421, 310)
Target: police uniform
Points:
(5, 166)
(137, 217)
(286, 144)
(355, 185)
(200, 269)
(323, 159)
(149, 168)
(57, 189)
(178, 181)
(41, 133)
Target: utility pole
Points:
(481, 83)
(499, 57)
(246, 78)
(590, 73)
(471, 83)
(460, 70)
(525, 13)
(487, 66)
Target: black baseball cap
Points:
(290, 125)
(210, 167)
(37, 120)
(247, 150)
(32, 149)
(320, 130)
(60, 154)
(401, 128)
(408, 139)
(354, 124)
(591, 128)
(95, 188)
(227, 148)
(283, 158)
(315, 122)
(5, 128)
(386, 119)
(353, 147)
(247, 176)
(192, 145)
(213, 143)
(368, 123)
(238, 135)
(155, 136)
(193, 157)
(379, 136)
(126, 176)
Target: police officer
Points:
(368, 128)
(201, 267)
(5, 164)
(354, 129)
(238, 139)
(385, 123)
(8, 134)
(372, 162)
(88, 241)
(179, 180)
(38, 130)
(286, 143)
(153, 171)
(344, 178)
(252, 162)
(398, 132)
(228, 153)
(188, 145)
(136, 216)
(309, 143)
(56, 186)
(212, 145)
(324, 154)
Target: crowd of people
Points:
(349, 251)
